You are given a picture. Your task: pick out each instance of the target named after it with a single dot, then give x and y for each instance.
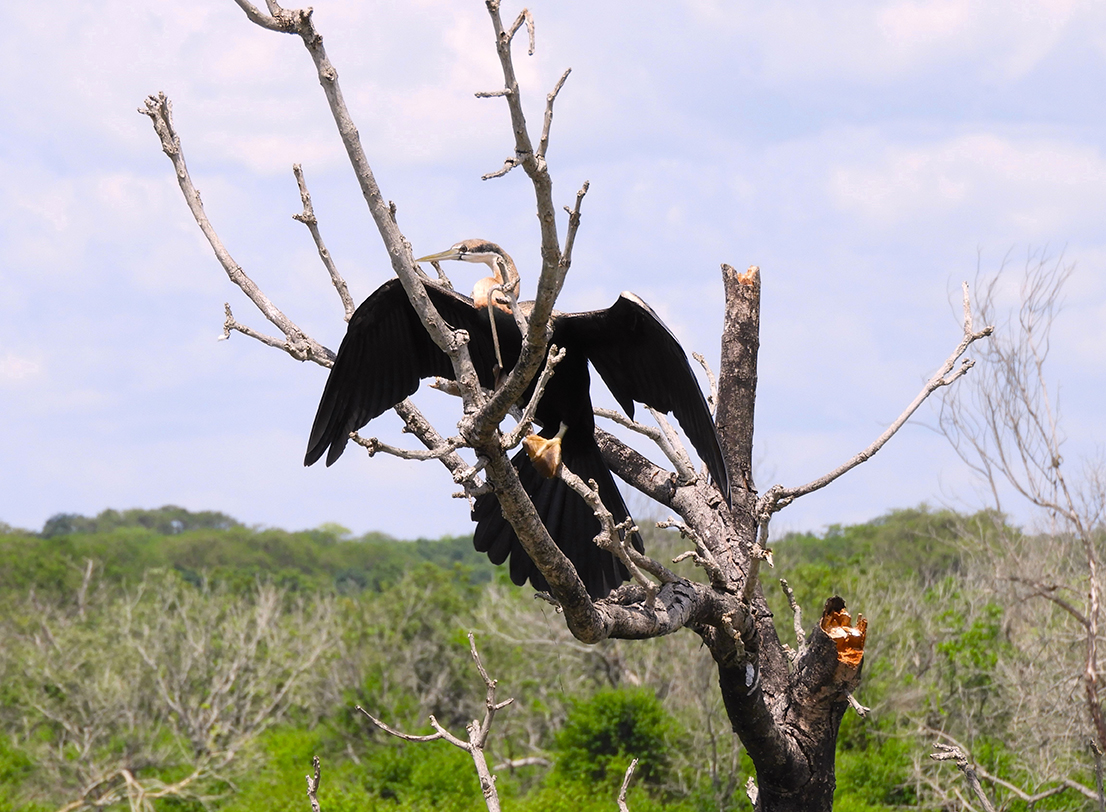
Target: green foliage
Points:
(167, 521)
(398, 613)
(16, 768)
(873, 765)
(604, 732)
(213, 547)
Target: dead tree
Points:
(1008, 429)
(786, 710)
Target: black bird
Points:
(386, 353)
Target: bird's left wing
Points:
(385, 353)
(640, 360)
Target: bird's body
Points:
(387, 352)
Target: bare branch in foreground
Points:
(313, 784)
(861, 710)
(674, 443)
(508, 165)
(375, 446)
(297, 344)
(622, 805)
(778, 497)
(301, 23)
(573, 227)
(307, 217)
(524, 16)
(701, 555)
(610, 536)
(477, 731)
(232, 325)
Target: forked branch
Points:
(778, 497)
(477, 731)
(307, 217)
(160, 111)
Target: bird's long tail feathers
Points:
(567, 517)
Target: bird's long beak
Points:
(449, 253)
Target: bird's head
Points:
(503, 268)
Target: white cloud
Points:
(1033, 188)
(880, 42)
(16, 369)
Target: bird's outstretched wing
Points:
(640, 360)
(385, 353)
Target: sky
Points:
(868, 156)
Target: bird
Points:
(386, 353)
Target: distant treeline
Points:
(214, 546)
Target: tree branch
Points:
(307, 217)
(778, 497)
(160, 112)
(622, 805)
(313, 784)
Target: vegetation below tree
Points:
(202, 655)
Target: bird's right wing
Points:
(641, 360)
(384, 355)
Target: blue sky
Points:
(865, 154)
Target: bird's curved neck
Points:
(504, 276)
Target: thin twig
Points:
(543, 143)
(508, 165)
(573, 226)
(861, 710)
(375, 446)
(514, 437)
(681, 463)
(674, 443)
(701, 556)
(796, 613)
(230, 324)
(524, 16)
(307, 217)
(313, 784)
(622, 805)
(712, 397)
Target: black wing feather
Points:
(640, 360)
(384, 355)
(567, 517)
